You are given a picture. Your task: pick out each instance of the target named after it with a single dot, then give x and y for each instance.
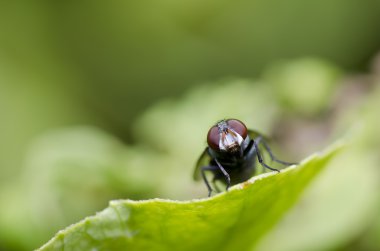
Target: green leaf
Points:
(234, 220)
(335, 210)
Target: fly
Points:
(231, 154)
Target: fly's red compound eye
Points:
(238, 127)
(213, 137)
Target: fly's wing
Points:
(203, 160)
(265, 149)
(255, 134)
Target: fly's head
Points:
(228, 136)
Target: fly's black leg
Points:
(215, 185)
(259, 157)
(262, 141)
(228, 179)
(208, 168)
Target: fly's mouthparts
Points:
(234, 148)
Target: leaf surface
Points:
(234, 220)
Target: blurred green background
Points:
(106, 100)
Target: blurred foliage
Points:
(71, 62)
(294, 81)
